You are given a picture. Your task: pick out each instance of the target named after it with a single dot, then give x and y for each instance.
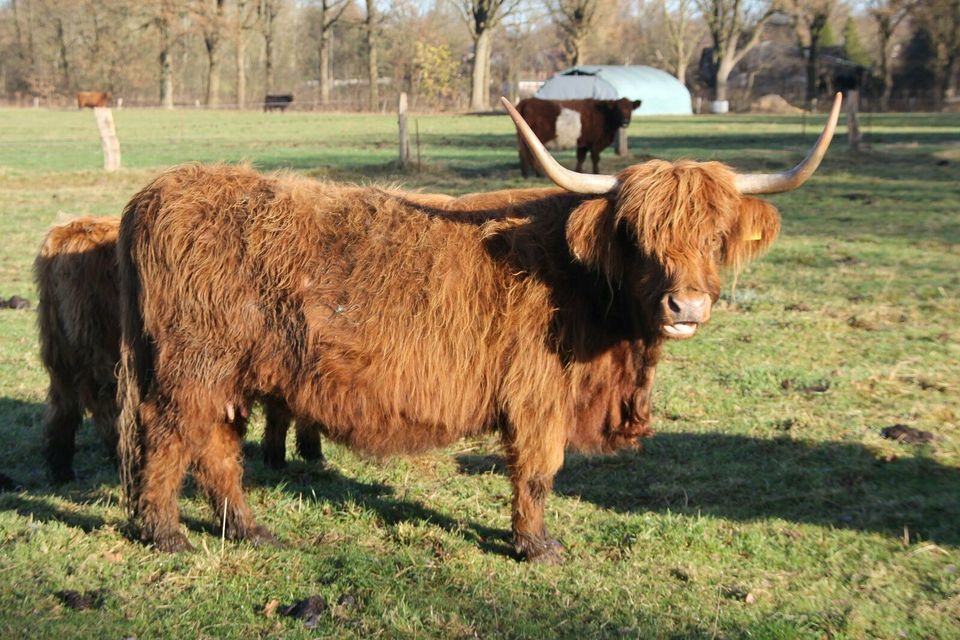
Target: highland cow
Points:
(92, 99)
(79, 325)
(402, 322)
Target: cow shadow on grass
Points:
(25, 487)
(835, 484)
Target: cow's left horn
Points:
(759, 183)
(561, 176)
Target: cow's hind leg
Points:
(61, 420)
(581, 157)
(220, 474)
(166, 457)
(275, 432)
(308, 441)
(105, 420)
(595, 159)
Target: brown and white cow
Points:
(79, 324)
(93, 99)
(584, 125)
(403, 322)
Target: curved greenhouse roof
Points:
(661, 93)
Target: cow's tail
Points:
(136, 358)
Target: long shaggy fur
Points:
(79, 327)
(76, 279)
(402, 322)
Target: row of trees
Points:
(229, 52)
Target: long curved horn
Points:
(759, 183)
(561, 176)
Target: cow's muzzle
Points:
(683, 313)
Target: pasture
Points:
(767, 506)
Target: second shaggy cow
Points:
(79, 324)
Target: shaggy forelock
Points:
(674, 208)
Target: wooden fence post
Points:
(404, 133)
(622, 143)
(853, 120)
(108, 138)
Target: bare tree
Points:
(735, 31)
(941, 20)
(574, 20)
(811, 18)
(268, 10)
(166, 17)
(245, 19)
(888, 15)
(330, 12)
(682, 35)
(210, 17)
(371, 28)
(482, 17)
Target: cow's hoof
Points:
(274, 461)
(261, 537)
(62, 475)
(544, 550)
(171, 542)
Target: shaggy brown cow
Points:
(79, 325)
(403, 322)
(93, 99)
(587, 125)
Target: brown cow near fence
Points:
(403, 322)
(79, 325)
(93, 99)
(586, 125)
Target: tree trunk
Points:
(480, 93)
(241, 71)
(372, 55)
(812, 75)
(723, 75)
(325, 67)
(213, 76)
(64, 65)
(267, 62)
(166, 68)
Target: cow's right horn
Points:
(760, 183)
(561, 176)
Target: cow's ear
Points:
(637, 103)
(592, 237)
(752, 233)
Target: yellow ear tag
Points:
(756, 235)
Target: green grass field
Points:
(768, 505)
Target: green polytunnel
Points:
(661, 93)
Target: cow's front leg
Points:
(534, 443)
(530, 536)
(275, 432)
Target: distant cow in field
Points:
(586, 125)
(93, 99)
(79, 324)
(277, 102)
(401, 321)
